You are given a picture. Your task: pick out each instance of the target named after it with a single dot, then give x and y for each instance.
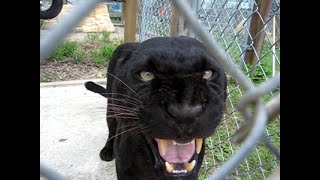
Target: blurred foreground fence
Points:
(249, 32)
(244, 36)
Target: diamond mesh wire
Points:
(153, 19)
(229, 22)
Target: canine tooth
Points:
(163, 146)
(199, 144)
(189, 166)
(175, 143)
(169, 167)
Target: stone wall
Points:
(97, 21)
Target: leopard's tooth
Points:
(189, 166)
(199, 144)
(175, 142)
(169, 167)
(163, 146)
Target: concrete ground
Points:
(73, 130)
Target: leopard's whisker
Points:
(123, 117)
(141, 130)
(120, 109)
(128, 125)
(109, 95)
(117, 113)
(135, 109)
(111, 107)
(136, 131)
(125, 101)
(125, 105)
(131, 129)
(124, 84)
(118, 94)
(122, 112)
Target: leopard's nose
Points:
(184, 111)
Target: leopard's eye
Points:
(146, 76)
(207, 74)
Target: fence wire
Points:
(249, 35)
(229, 23)
(153, 19)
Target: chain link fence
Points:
(244, 36)
(249, 32)
(153, 19)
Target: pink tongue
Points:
(178, 153)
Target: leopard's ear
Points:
(91, 86)
(122, 53)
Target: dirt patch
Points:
(53, 71)
(65, 70)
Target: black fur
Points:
(177, 104)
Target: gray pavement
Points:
(73, 130)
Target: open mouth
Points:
(179, 158)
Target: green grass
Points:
(41, 23)
(107, 50)
(97, 49)
(219, 151)
(258, 71)
(99, 38)
(264, 66)
(46, 78)
(218, 148)
(68, 49)
(97, 57)
(93, 37)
